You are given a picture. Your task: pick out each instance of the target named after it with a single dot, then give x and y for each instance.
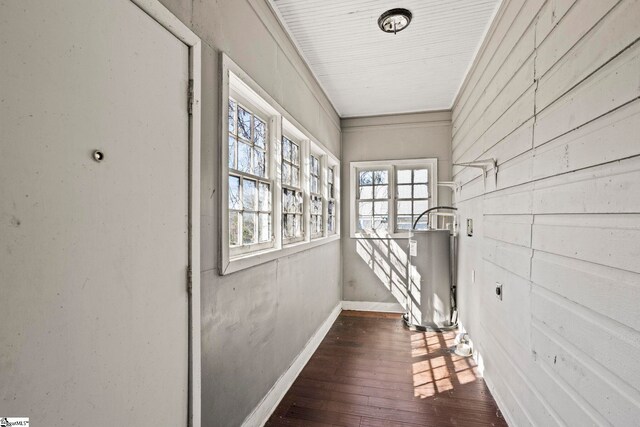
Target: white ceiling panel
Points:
(368, 72)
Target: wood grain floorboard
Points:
(371, 371)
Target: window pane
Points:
(421, 175)
(316, 205)
(331, 206)
(420, 206)
(314, 220)
(365, 208)
(314, 184)
(365, 222)
(366, 192)
(286, 174)
(420, 191)
(259, 167)
(234, 193)
(232, 152)
(295, 176)
(244, 123)
(286, 200)
(381, 192)
(297, 226)
(380, 177)
(288, 226)
(404, 191)
(404, 222)
(299, 202)
(248, 228)
(264, 197)
(260, 132)
(286, 149)
(404, 176)
(381, 208)
(366, 178)
(404, 208)
(295, 154)
(379, 223)
(422, 224)
(234, 228)
(264, 227)
(249, 195)
(244, 157)
(232, 116)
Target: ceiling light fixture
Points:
(394, 20)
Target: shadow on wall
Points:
(391, 264)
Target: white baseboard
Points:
(503, 408)
(386, 307)
(270, 402)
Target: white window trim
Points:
(430, 163)
(280, 121)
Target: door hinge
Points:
(189, 279)
(190, 97)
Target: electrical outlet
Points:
(499, 291)
(469, 227)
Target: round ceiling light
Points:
(394, 20)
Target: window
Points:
(331, 202)
(272, 194)
(388, 196)
(315, 197)
(249, 186)
(412, 197)
(373, 200)
(292, 203)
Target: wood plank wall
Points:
(554, 96)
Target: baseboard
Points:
(479, 359)
(503, 408)
(386, 307)
(269, 403)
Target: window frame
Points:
(265, 116)
(411, 199)
(320, 157)
(431, 164)
(373, 199)
(331, 197)
(237, 84)
(300, 188)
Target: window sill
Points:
(251, 260)
(402, 235)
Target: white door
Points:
(93, 301)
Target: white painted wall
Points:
(255, 322)
(393, 137)
(554, 96)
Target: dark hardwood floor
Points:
(372, 371)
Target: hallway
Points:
(214, 212)
(372, 371)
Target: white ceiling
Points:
(367, 72)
